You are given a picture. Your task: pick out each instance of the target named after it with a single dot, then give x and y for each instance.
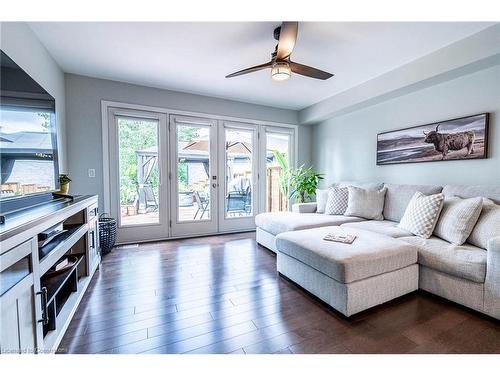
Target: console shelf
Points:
(53, 251)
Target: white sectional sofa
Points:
(466, 274)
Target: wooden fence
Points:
(275, 200)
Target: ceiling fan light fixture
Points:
(281, 71)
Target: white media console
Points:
(36, 309)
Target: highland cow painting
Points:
(456, 139)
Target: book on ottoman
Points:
(346, 238)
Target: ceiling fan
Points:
(281, 65)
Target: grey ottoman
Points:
(351, 278)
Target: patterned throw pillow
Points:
(321, 199)
(422, 213)
(488, 225)
(337, 201)
(364, 203)
(458, 218)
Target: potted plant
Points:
(64, 181)
(132, 203)
(303, 183)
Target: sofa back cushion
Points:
(458, 218)
(398, 197)
(491, 192)
(362, 185)
(487, 226)
(321, 199)
(364, 203)
(422, 213)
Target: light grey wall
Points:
(20, 43)
(83, 113)
(344, 147)
(476, 52)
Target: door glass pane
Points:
(193, 173)
(238, 184)
(277, 166)
(138, 170)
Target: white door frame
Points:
(229, 224)
(263, 163)
(142, 232)
(106, 104)
(192, 227)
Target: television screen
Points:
(28, 140)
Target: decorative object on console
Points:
(457, 219)
(64, 181)
(338, 199)
(62, 266)
(364, 203)
(422, 214)
(456, 139)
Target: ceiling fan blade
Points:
(250, 70)
(309, 71)
(288, 37)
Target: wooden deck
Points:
(222, 294)
(186, 213)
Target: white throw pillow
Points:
(337, 201)
(321, 199)
(422, 214)
(367, 204)
(362, 185)
(458, 218)
(488, 225)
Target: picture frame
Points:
(461, 138)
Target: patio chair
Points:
(202, 204)
(239, 201)
(150, 197)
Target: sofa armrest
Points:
(304, 208)
(492, 282)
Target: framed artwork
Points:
(456, 139)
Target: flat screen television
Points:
(28, 138)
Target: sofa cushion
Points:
(487, 226)
(458, 218)
(387, 227)
(422, 214)
(362, 185)
(337, 201)
(321, 199)
(369, 255)
(491, 192)
(279, 222)
(466, 261)
(365, 203)
(398, 197)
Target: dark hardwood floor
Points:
(222, 294)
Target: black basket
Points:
(107, 233)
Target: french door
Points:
(277, 144)
(138, 165)
(177, 175)
(193, 177)
(239, 188)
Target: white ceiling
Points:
(195, 56)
